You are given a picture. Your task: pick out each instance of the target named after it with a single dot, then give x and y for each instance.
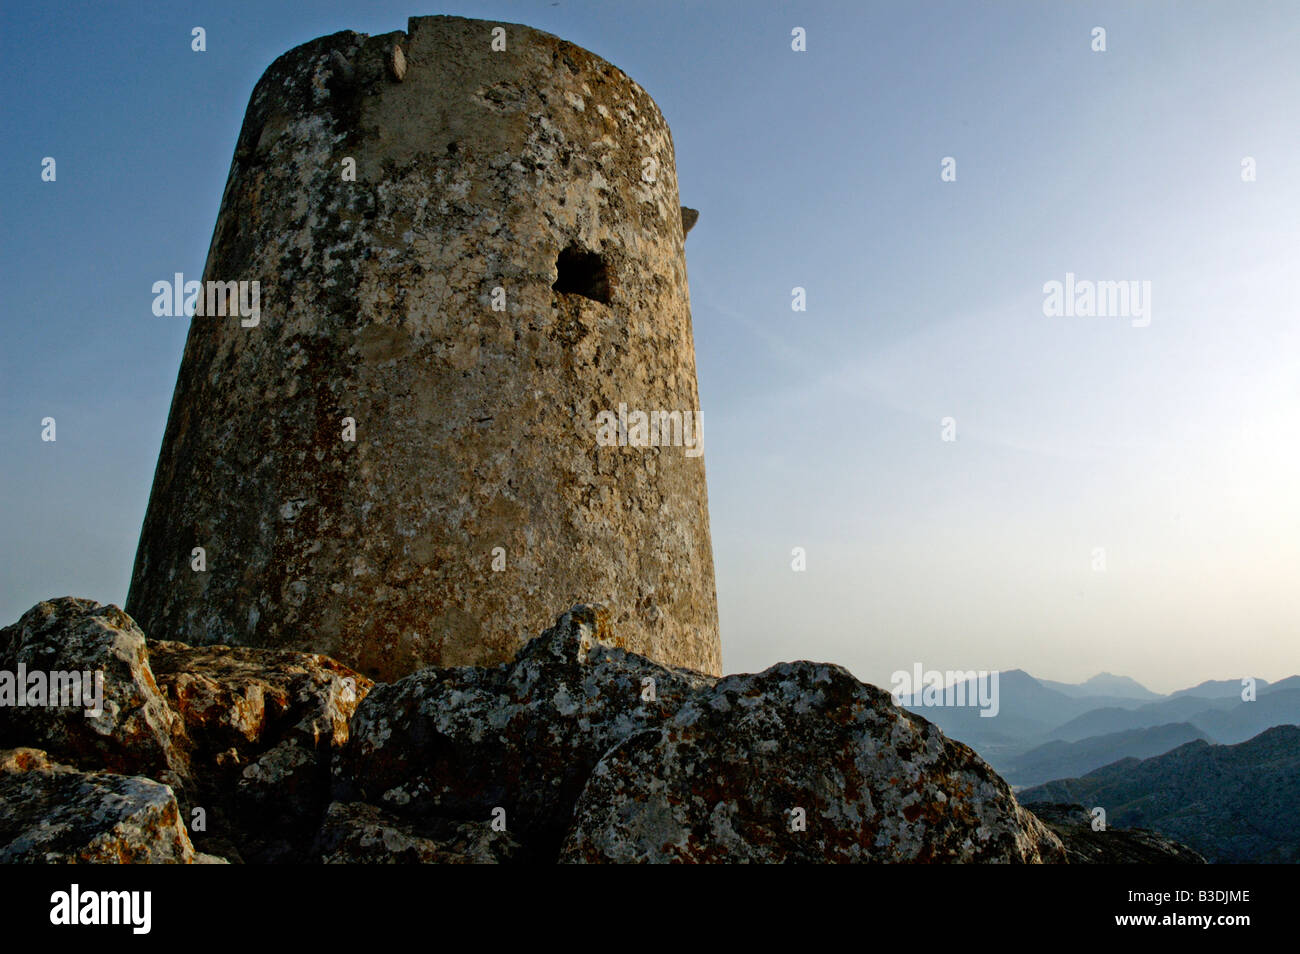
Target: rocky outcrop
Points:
(523, 737)
(264, 725)
(602, 755)
(800, 763)
(136, 733)
(52, 813)
(577, 750)
(244, 738)
(1125, 846)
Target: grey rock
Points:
(578, 750)
(457, 743)
(724, 780)
(54, 814)
(136, 733)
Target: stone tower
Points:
(469, 246)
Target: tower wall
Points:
(475, 429)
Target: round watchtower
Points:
(467, 399)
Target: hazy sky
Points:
(1175, 447)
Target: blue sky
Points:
(1174, 447)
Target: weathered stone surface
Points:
(457, 743)
(577, 750)
(242, 700)
(136, 733)
(1083, 846)
(720, 780)
(54, 814)
(475, 427)
(264, 724)
(357, 833)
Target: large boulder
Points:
(52, 813)
(136, 733)
(800, 763)
(460, 743)
(598, 754)
(264, 725)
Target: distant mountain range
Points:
(1107, 719)
(1028, 712)
(1199, 766)
(1035, 712)
(1068, 759)
(1104, 684)
(1046, 729)
(1231, 803)
(1231, 688)
(1222, 719)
